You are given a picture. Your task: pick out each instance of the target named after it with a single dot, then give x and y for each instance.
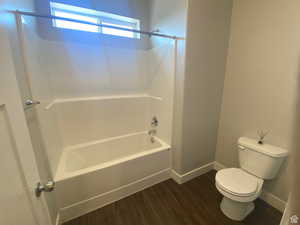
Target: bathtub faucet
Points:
(152, 132)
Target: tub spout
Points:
(152, 133)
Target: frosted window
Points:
(93, 16)
(73, 25)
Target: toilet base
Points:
(236, 210)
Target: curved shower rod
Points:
(17, 12)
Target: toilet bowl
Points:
(239, 189)
(241, 186)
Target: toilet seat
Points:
(238, 182)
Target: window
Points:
(74, 25)
(92, 16)
(111, 31)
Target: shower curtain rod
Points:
(17, 12)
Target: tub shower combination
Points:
(106, 171)
(96, 173)
(105, 112)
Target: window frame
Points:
(54, 22)
(100, 16)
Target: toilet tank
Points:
(261, 160)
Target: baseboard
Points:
(175, 176)
(218, 166)
(89, 205)
(180, 179)
(266, 196)
(58, 219)
(273, 200)
(92, 204)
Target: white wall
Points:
(261, 83)
(294, 204)
(208, 31)
(17, 65)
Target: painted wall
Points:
(15, 62)
(261, 83)
(206, 51)
(293, 205)
(295, 170)
(169, 20)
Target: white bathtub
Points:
(97, 173)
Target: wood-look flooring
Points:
(196, 202)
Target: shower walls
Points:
(73, 70)
(91, 89)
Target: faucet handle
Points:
(154, 122)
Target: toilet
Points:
(241, 186)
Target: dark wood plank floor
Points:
(193, 203)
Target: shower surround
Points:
(97, 104)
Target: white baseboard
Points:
(180, 179)
(266, 196)
(175, 176)
(89, 205)
(273, 200)
(218, 166)
(58, 219)
(94, 203)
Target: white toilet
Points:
(241, 186)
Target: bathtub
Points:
(94, 174)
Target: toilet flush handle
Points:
(241, 147)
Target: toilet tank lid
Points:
(265, 148)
